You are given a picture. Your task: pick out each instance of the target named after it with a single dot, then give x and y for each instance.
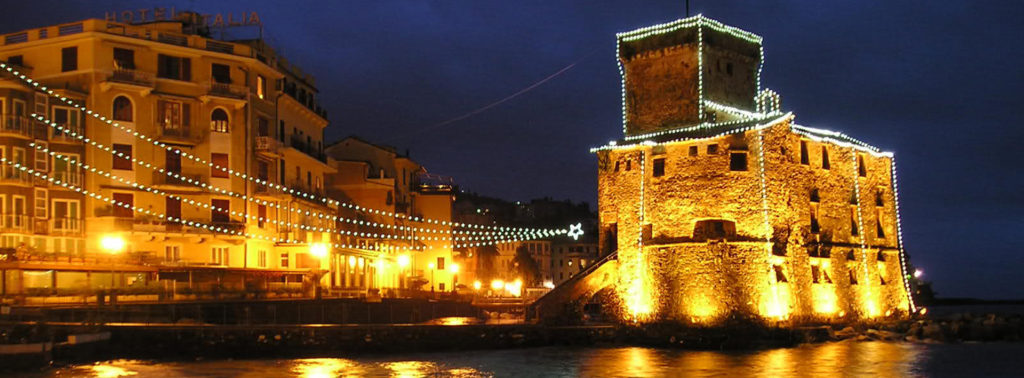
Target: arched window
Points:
(219, 121)
(123, 109)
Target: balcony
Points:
(301, 146)
(65, 226)
(163, 180)
(70, 178)
(15, 223)
(178, 134)
(224, 90)
(229, 226)
(131, 77)
(66, 136)
(268, 146)
(16, 125)
(268, 192)
(11, 175)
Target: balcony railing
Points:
(70, 178)
(66, 226)
(226, 90)
(15, 223)
(230, 226)
(129, 76)
(161, 178)
(9, 174)
(66, 136)
(178, 134)
(268, 145)
(299, 144)
(14, 124)
(267, 190)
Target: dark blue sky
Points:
(937, 82)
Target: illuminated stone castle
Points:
(718, 204)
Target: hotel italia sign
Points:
(218, 20)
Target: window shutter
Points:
(186, 69)
(186, 114)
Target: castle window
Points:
(659, 167)
(851, 256)
(815, 196)
(693, 150)
(714, 229)
(854, 231)
(880, 256)
(879, 230)
(853, 276)
(804, 158)
(616, 166)
(629, 164)
(815, 227)
(738, 161)
(712, 149)
(880, 198)
(824, 158)
(819, 275)
(780, 274)
(728, 68)
(881, 279)
(861, 169)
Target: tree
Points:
(526, 267)
(485, 262)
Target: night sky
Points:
(937, 82)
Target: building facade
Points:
(236, 158)
(719, 205)
(400, 194)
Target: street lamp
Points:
(454, 269)
(431, 267)
(112, 244)
(320, 251)
(403, 263)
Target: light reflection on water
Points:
(818, 360)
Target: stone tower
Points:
(674, 74)
(716, 204)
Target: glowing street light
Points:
(113, 244)
(477, 285)
(454, 268)
(918, 273)
(497, 284)
(318, 250)
(403, 261)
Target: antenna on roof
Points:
(687, 8)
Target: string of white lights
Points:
(342, 232)
(860, 224)
(220, 229)
(243, 175)
(615, 146)
(316, 214)
(904, 272)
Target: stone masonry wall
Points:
(675, 274)
(661, 87)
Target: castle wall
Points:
(670, 269)
(661, 87)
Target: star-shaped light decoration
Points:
(575, 231)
